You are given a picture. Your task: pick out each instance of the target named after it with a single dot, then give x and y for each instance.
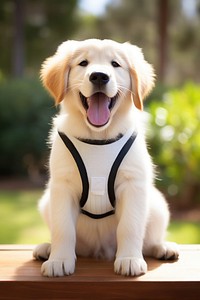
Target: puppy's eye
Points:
(115, 64)
(83, 63)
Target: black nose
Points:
(98, 78)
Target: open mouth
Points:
(98, 108)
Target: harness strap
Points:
(115, 167)
(95, 216)
(84, 177)
(81, 167)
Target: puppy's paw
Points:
(130, 266)
(166, 251)
(57, 268)
(42, 251)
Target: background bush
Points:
(25, 117)
(175, 143)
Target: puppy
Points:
(101, 200)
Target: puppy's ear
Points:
(142, 75)
(55, 70)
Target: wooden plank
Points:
(95, 279)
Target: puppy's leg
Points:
(42, 251)
(63, 215)
(154, 243)
(130, 233)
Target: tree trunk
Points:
(18, 39)
(163, 14)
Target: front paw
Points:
(57, 268)
(130, 266)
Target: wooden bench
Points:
(20, 278)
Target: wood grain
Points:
(20, 278)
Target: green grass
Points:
(21, 223)
(183, 232)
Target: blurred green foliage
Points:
(44, 24)
(175, 142)
(25, 117)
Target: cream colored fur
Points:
(139, 225)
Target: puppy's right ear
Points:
(55, 70)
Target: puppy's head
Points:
(97, 78)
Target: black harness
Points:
(83, 172)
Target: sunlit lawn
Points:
(184, 232)
(20, 221)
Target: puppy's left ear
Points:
(142, 75)
(55, 69)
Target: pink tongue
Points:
(98, 112)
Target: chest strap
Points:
(81, 167)
(115, 167)
(84, 177)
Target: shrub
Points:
(175, 142)
(25, 117)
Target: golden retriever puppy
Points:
(101, 200)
